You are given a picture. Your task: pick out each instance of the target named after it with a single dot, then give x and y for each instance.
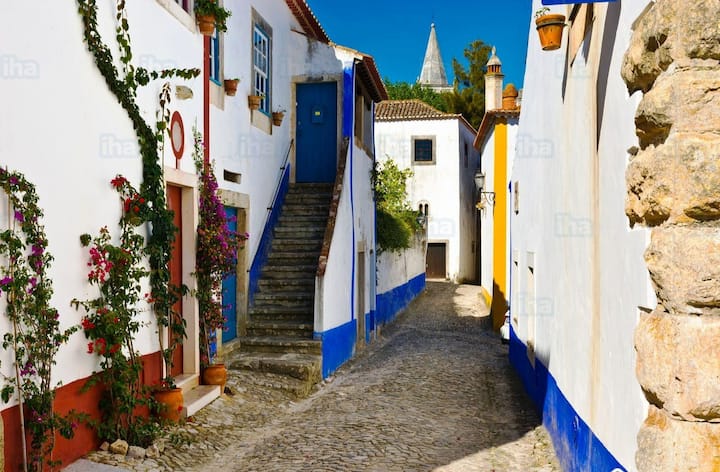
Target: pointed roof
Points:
(433, 70)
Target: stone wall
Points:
(673, 186)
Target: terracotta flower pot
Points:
(171, 403)
(206, 24)
(254, 101)
(231, 86)
(550, 30)
(215, 374)
(277, 117)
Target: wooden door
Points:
(229, 287)
(174, 197)
(360, 293)
(435, 261)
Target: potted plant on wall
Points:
(254, 101)
(231, 86)
(210, 15)
(216, 258)
(549, 28)
(277, 116)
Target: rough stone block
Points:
(136, 452)
(678, 364)
(678, 181)
(119, 447)
(684, 265)
(152, 452)
(682, 100)
(672, 445)
(698, 28)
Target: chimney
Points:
(493, 83)
(510, 98)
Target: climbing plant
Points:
(396, 222)
(35, 335)
(124, 85)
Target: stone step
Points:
(291, 244)
(295, 387)
(283, 297)
(282, 328)
(303, 209)
(301, 231)
(268, 285)
(319, 220)
(312, 198)
(311, 186)
(298, 366)
(289, 271)
(281, 345)
(265, 312)
(298, 256)
(198, 398)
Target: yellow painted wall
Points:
(500, 294)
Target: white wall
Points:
(63, 128)
(487, 165)
(443, 184)
(588, 264)
(398, 267)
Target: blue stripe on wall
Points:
(390, 303)
(576, 446)
(337, 346)
(263, 249)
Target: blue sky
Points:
(395, 32)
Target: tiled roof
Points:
(400, 110)
(307, 20)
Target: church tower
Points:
(433, 71)
(493, 83)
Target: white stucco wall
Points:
(589, 273)
(63, 128)
(445, 185)
(398, 267)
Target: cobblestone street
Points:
(435, 392)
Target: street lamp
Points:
(483, 197)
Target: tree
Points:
(468, 97)
(406, 91)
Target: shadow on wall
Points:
(499, 307)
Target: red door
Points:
(174, 197)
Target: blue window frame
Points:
(215, 57)
(261, 67)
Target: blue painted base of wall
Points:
(337, 346)
(265, 244)
(389, 304)
(577, 448)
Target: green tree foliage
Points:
(406, 91)
(396, 221)
(468, 97)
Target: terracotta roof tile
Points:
(396, 110)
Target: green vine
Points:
(160, 241)
(36, 335)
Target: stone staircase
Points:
(279, 345)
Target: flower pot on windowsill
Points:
(550, 30)
(231, 86)
(277, 117)
(254, 102)
(206, 24)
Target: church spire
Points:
(433, 70)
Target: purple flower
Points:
(6, 281)
(37, 250)
(13, 180)
(19, 216)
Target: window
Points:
(363, 119)
(215, 57)
(262, 34)
(424, 209)
(466, 154)
(184, 4)
(423, 149)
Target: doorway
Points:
(316, 132)
(174, 198)
(436, 262)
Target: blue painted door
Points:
(229, 288)
(316, 132)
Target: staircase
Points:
(279, 345)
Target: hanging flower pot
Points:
(170, 402)
(277, 117)
(231, 86)
(206, 24)
(254, 101)
(550, 30)
(215, 374)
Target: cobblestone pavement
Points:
(434, 392)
